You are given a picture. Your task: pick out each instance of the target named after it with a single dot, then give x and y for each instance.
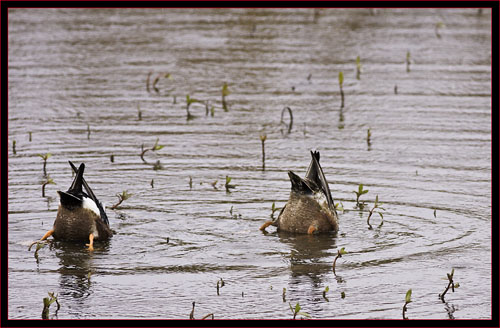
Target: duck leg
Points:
(265, 225)
(47, 235)
(91, 243)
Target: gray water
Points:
(429, 160)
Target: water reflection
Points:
(308, 256)
(76, 268)
(450, 310)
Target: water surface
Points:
(72, 71)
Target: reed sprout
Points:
(407, 301)
(438, 26)
(376, 206)
(121, 198)
(227, 185)
(190, 101)
(324, 293)
(190, 183)
(47, 181)
(29, 136)
(339, 207)
(358, 193)
(296, 311)
(274, 209)
(112, 158)
(340, 252)
(14, 147)
(283, 295)
(45, 157)
(47, 301)
(450, 284)
(155, 147)
(358, 68)
(88, 131)
(220, 284)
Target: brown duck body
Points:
(310, 207)
(303, 211)
(77, 224)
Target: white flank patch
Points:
(91, 205)
(321, 199)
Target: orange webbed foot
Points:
(265, 225)
(311, 229)
(91, 243)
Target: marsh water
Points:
(78, 82)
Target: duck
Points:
(310, 208)
(80, 215)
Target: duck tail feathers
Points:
(76, 186)
(315, 174)
(89, 191)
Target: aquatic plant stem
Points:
(404, 311)
(450, 284)
(339, 254)
(263, 138)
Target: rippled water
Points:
(74, 70)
